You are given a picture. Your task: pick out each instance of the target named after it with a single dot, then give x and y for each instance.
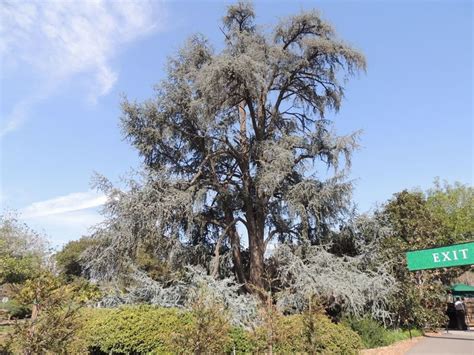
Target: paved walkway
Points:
(454, 342)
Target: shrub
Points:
(374, 335)
(148, 329)
(291, 335)
(151, 330)
(240, 341)
(49, 333)
(139, 329)
(336, 338)
(371, 332)
(15, 310)
(209, 329)
(53, 321)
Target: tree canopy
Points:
(22, 251)
(453, 204)
(235, 143)
(416, 220)
(68, 259)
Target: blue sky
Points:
(65, 64)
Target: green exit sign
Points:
(449, 256)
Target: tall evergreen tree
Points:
(234, 142)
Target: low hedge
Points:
(292, 334)
(240, 341)
(125, 330)
(371, 332)
(152, 330)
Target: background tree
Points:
(453, 204)
(233, 144)
(22, 251)
(421, 298)
(69, 258)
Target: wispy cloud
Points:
(65, 217)
(58, 40)
(21, 110)
(63, 227)
(60, 205)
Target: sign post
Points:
(448, 256)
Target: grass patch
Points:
(374, 335)
(393, 335)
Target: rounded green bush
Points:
(241, 341)
(291, 335)
(337, 338)
(152, 330)
(130, 330)
(372, 333)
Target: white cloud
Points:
(63, 227)
(58, 40)
(75, 223)
(60, 205)
(21, 110)
(65, 217)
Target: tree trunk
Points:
(255, 224)
(257, 251)
(237, 260)
(256, 263)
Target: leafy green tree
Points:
(413, 224)
(453, 205)
(421, 298)
(69, 258)
(22, 251)
(233, 142)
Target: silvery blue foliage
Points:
(237, 138)
(358, 287)
(242, 308)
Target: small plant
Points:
(374, 335)
(241, 341)
(371, 332)
(54, 317)
(15, 310)
(310, 333)
(209, 331)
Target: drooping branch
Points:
(237, 137)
